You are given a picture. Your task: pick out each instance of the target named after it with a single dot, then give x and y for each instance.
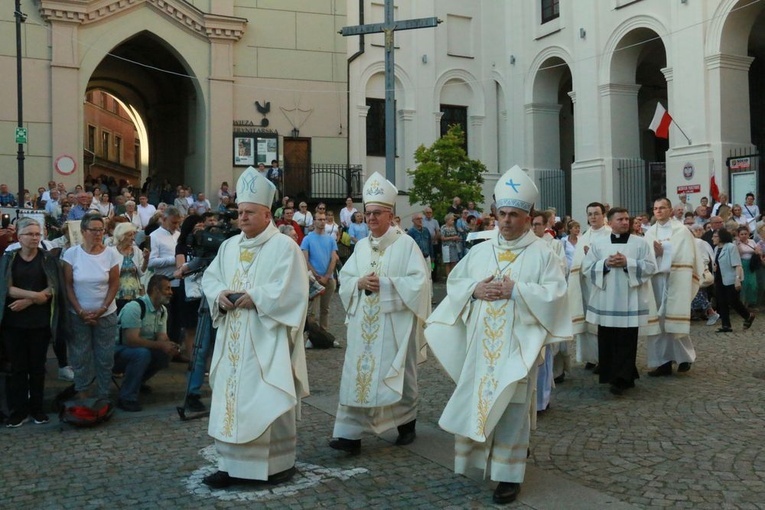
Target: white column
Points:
(405, 133)
(543, 146)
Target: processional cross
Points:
(388, 27)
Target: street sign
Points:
(21, 135)
(689, 188)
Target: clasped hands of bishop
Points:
(492, 289)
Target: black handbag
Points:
(755, 263)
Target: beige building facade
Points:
(197, 76)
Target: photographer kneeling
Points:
(143, 347)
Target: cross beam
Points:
(389, 27)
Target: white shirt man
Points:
(303, 217)
(52, 206)
(347, 212)
(145, 210)
(679, 270)
(163, 241)
(506, 300)
(385, 289)
(257, 289)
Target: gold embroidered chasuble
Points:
(381, 325)
(489, 348)
(258, 369)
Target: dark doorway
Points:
(297, 167)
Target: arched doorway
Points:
(552, 133)
(157, 89)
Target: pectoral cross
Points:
(388, 27)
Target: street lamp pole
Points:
(20, 18)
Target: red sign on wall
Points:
(689, 188)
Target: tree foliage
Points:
(443, 172)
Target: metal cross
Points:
(388, 27)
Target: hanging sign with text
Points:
(689, 188)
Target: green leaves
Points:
(443, 172)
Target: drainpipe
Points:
(353, 57)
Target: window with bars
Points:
(455, 114)
(105, 139)
(550, 10)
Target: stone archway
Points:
(150, 79)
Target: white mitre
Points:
(516, 189)
(254, 188)
(379, 191)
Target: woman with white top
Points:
(103, 207)
(747, 249)
(92, 277)
(132, 215)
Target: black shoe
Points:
(506, 492)
(724, 330)
(145, 389)
(16, 420)
(40, 418)
(131, 406)
(406, 433)
(352, 446)
(589, 366)
(749, 321)
(194, 404)
(218, 480)
(596, 369)
(665, 369)
(282, 476)
(615, 389)
(683, 367)
(560, 378)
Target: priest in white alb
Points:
(505, 301)
(257, 288)
(579, 288)
(385, 289)
(678, 273)
(619, 268)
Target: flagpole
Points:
(681, 130)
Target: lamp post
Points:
(20, 18)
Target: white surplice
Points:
(378, 387)
(258, 373)
(491, 350)
(579, 294)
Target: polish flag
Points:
(713, 189)
(661, 121)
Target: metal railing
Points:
(323, 181)
(552, 190)
(633, 192)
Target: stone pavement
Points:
(687, 441)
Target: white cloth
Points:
(162, 255)
(135, 219)
(491, 349)
(258, 370)
(90, 275)
(346, 216)
(378, 387)
(305, 220)
(104, 209)
(619, 298)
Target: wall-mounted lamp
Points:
(582, 33)
(295, 132)
(512, 60)
(683, 1)
(424, 59)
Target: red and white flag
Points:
(661, 121)
(713, 189)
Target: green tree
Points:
(443, 172)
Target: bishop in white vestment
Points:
(257, 289)
(505, 300)
(385, 289)
(619, 269)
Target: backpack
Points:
(319, 337)
(86, 412)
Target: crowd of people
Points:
(124, 292)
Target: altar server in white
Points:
(619, 268)
(385, 289)
(257, 288)
(505, 300)
(678, 273)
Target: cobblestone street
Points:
(687, 441)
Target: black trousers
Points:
(617, 356)
(27, 350)
(727, 298)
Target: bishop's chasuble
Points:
(378, 387)
(491, 348)
(258, 373)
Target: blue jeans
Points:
(202, 342)
(91, 353)
(139, 364)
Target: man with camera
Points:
(257, 289)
